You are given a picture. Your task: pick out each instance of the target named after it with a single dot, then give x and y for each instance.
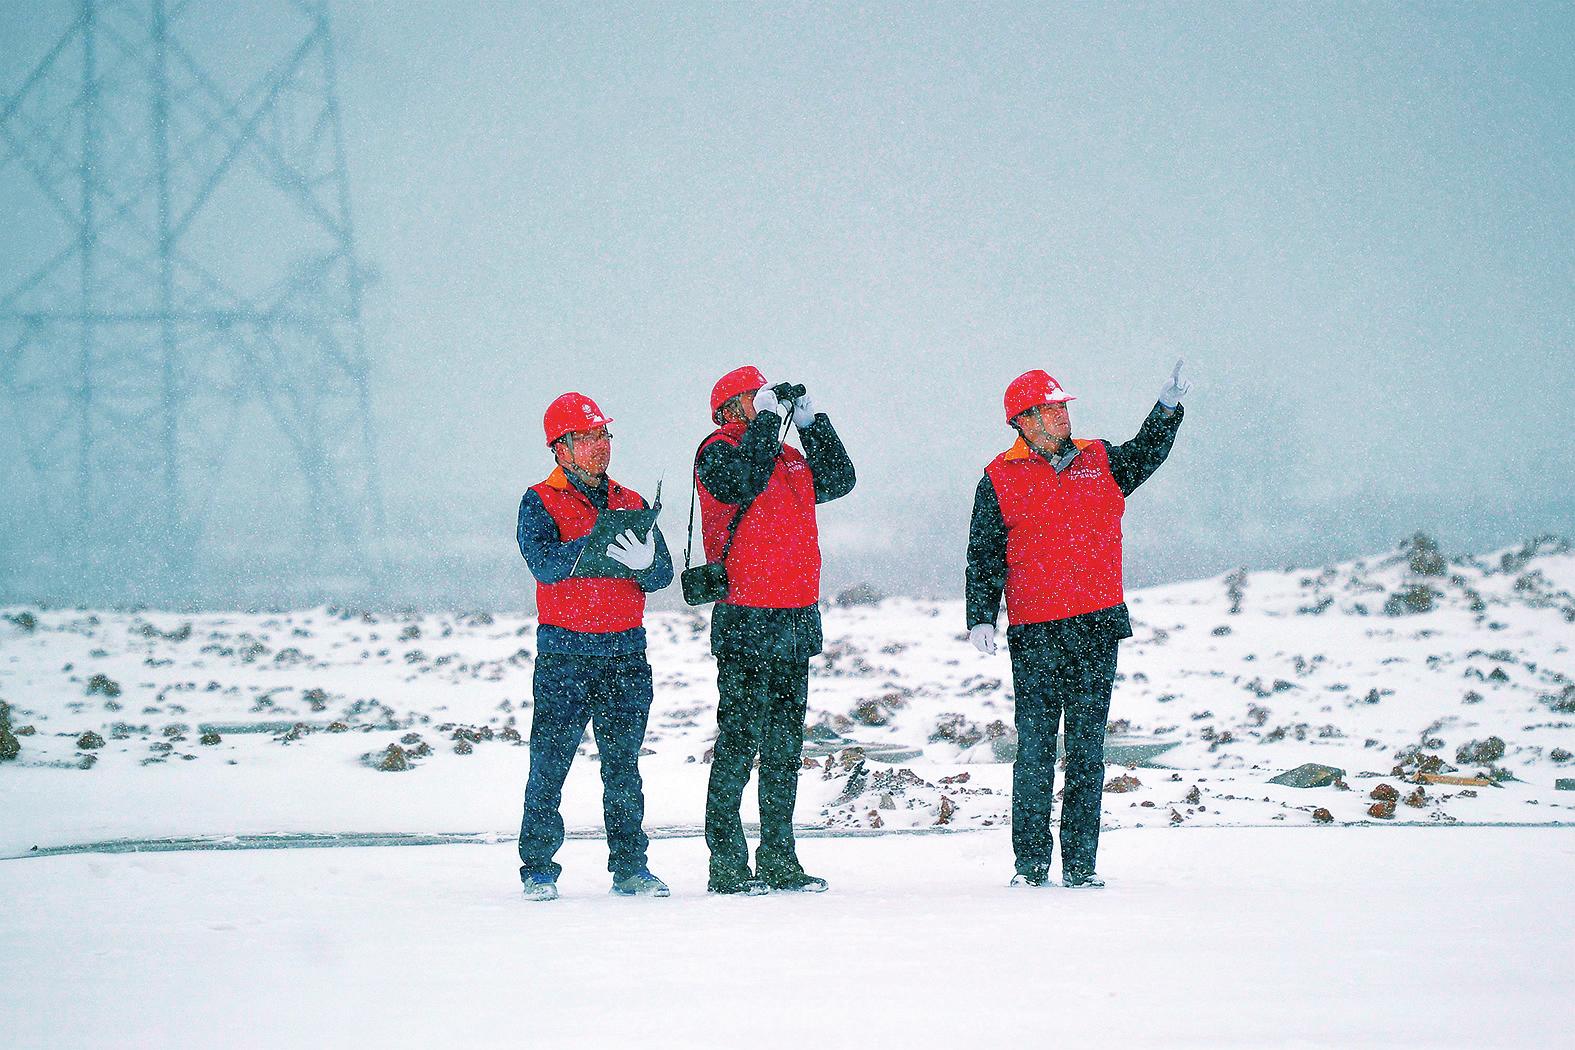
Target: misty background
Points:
(1355, 222)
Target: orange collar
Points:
(1020, 449)
(559, 480)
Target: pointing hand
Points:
(1175, 388)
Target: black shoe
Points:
(1031, 877)
(744, 884)
(797, 882)
(1082, 880)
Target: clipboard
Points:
(610, 524)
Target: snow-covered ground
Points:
(1234, 915)
(1208, 937)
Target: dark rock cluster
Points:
(1480, 752)
(10, 746)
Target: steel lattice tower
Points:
(190, 285)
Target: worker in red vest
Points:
(762, 494)
(590, 651)
(1046, 530)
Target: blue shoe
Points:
(541, 888)
(641, 884)
(1033, 877)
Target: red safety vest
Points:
(597, 605)
(774, 562)
(1063, 533)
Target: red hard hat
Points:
(571, 412)
(1031, 389)
(738, 381)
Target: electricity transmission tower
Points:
(180, 298)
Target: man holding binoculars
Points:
(757, 500)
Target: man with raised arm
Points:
(1046, 531)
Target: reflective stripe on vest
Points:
(596, 605)
(774, 562)
(1063, 533)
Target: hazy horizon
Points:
(1355, 223)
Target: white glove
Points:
(1175, 389)
(804, 412)
(627, 550)
(766, 401)
(983, 638)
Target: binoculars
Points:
(789, 391)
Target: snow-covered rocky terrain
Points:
(1409, 673)
(1434, 694)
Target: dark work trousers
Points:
(761, 710)
(1055, 679)
(613, 694)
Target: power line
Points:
(192, 285)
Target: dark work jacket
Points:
(1131, 464)
(735, 473)
(551, 561)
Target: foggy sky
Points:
(1355, 222)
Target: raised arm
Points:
(738, 473)
(828, 460)
(1135, 461)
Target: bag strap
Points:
(732, 526)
